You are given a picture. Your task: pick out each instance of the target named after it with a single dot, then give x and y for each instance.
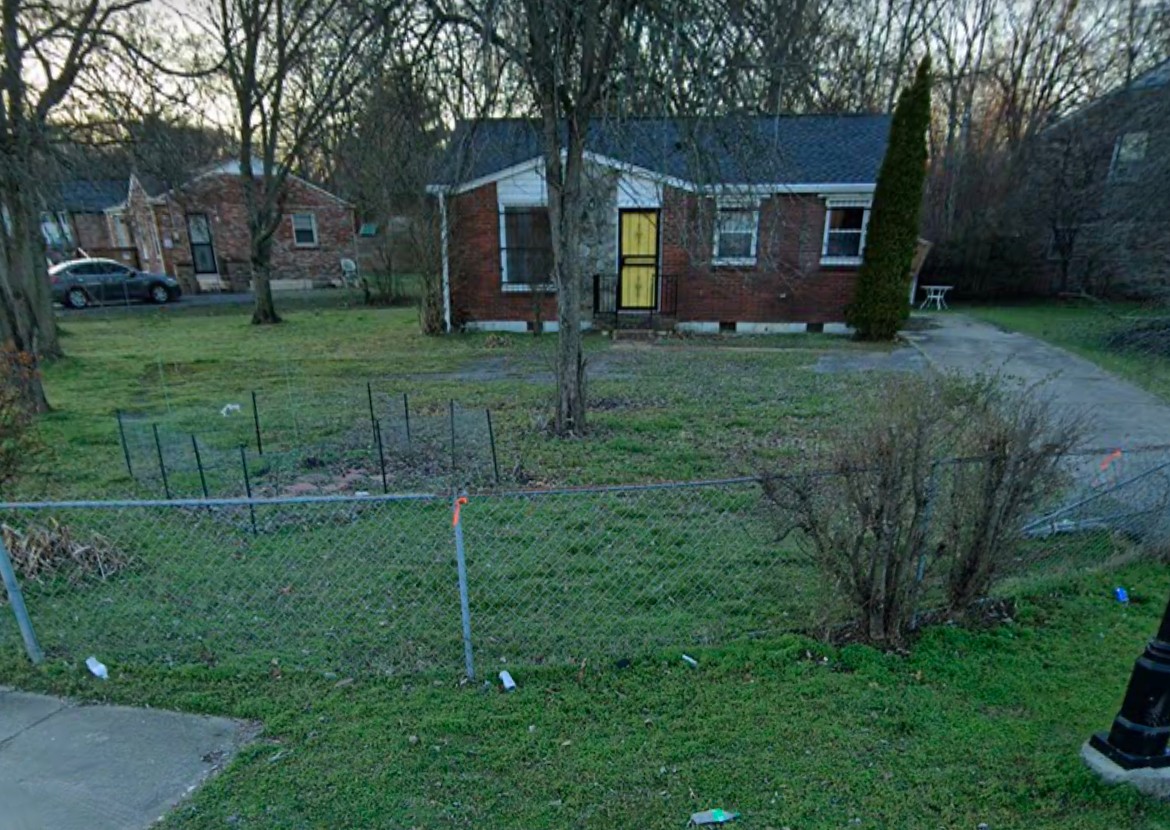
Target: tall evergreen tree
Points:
(881, 305)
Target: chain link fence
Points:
(376, 442)
(373, 584)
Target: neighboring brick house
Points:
(748, 224)
(204, 228)
(108, 218)
(1097, 194)
(198, 232)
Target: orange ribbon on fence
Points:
(1109, 459)
(459, 502)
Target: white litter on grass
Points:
(229, 409)
(690, 661)
(509, 683)
(97, 668)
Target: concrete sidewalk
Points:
(67, 766)
(1120, 415)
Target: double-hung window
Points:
(304, 226)
(526, 259)
(55, 230)
(737, 226)
(846, 223)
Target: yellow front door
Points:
(638, 260)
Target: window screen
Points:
(527, 246)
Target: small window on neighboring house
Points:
(51, 231)
(736, 232)
(845, 229)
(65, 228)
(1129, 153)
(525, 247)
(304, 230)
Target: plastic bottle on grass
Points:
(715, 816)
(97, 668)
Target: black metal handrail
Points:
(606, 301)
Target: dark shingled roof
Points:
(788, 149)
(93, 195)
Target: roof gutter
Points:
(705, 189)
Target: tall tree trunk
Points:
(33, 267)
(27, 324)
(264, 311)
(564, 182)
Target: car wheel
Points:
(159, 294)
(77, 298)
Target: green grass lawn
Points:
(366, 722)
(1083, 328)
(672, 410)
(971, 727)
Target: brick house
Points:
(1096, 192)
(198, 231)
(745, 224)
(204, 228)
(108, 218)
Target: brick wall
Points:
(90, 230)
(476, 283)
(787, 283)
(222, 199)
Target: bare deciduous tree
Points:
(567, 52)
(290, 65)
(46, 48)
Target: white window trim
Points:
(292, 218)
(838, 203)
(739, 204)
(517, 287)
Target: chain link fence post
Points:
(464, 603)
(16, 600)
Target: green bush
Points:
(881, 305)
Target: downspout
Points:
(443, 235)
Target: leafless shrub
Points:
(865, 512)
(384, 288)
(863, 516)
(54, 550)
(1017, 442)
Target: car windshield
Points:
(58, 268)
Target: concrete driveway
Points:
(1120, 415)
(71, 767)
